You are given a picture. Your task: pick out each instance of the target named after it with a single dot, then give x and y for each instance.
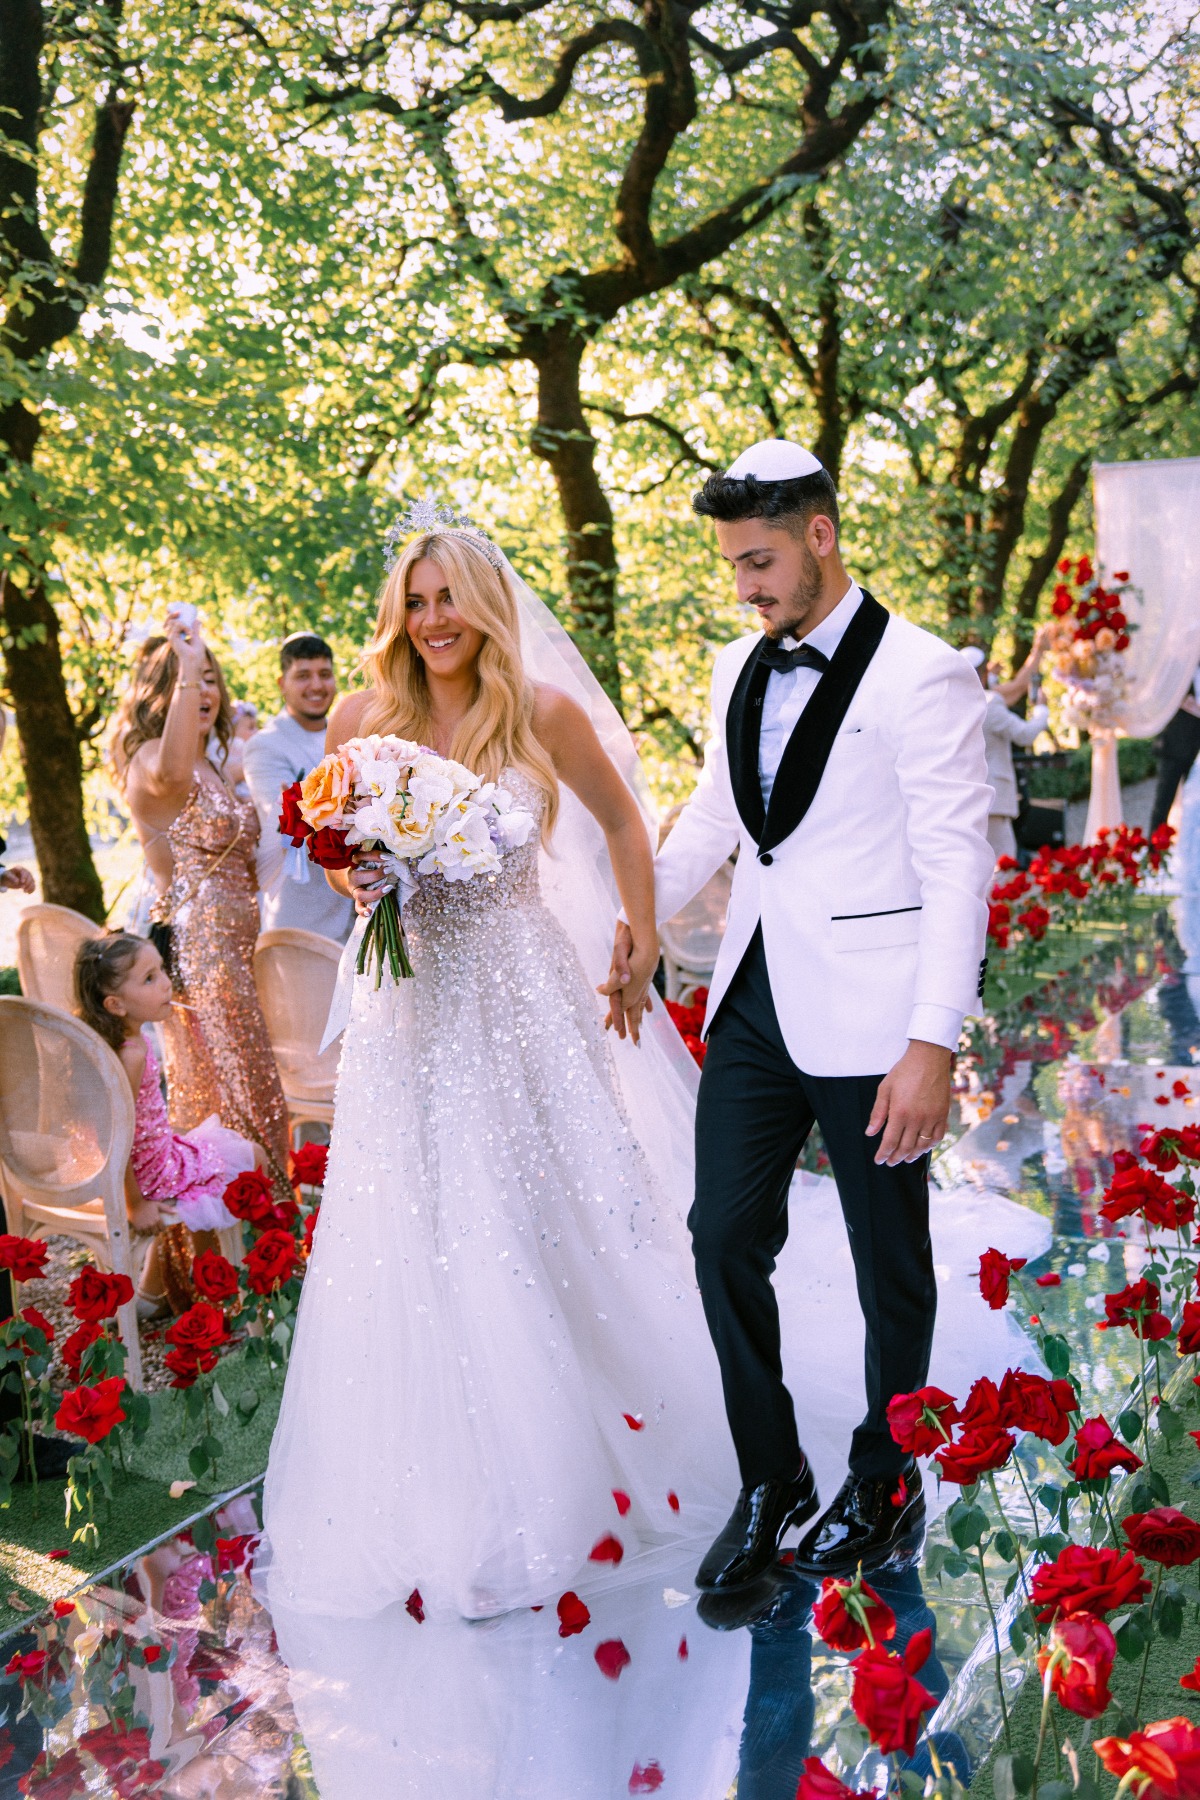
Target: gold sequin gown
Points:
(218, 1054)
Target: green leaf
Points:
(197, 1461)
(1004, 1544)
(213, 1448)
(1022, 1772)
(1131, 1640)
(1170, 1423)
(204, 1534)
(1055, 1790)
(219, 1400)
(967, 1524)
(1168, 1615)
(1003, 1785)
(1158, 1487)
(852, 1743)
(1057, 1353)
(1130, 1425)
(247, 1403)
(1017, 1638)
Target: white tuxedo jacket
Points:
(871, 889)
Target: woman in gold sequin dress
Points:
(199, 840)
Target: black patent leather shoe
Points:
(872, 1522)
(749, 1544)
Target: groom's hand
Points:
(913, 1104)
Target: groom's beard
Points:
(798, 607)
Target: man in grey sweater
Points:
(285, 750)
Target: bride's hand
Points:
(629, 985)
(369, 881)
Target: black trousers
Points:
(1178, 748)
(755, 1110)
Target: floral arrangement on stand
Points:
(251, 1304)
(1088, 635)
(1080, 1564)
(1074, 887)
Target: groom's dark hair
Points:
(790, 504)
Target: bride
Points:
(501, 1383)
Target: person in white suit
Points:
(846, 767)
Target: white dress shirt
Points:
(790, 690)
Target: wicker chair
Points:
(66, 1128)
(295, 972)
(47, 938)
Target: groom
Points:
(846, 766)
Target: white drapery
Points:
(1148, 523)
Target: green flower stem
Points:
(27, 1416)
(987, 1600)
(1145, 1395)
(1012, 1534)
(1028, 1493)
(1112, 1523)
(1042, 1724)
(1137, 1704)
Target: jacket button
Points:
(766, 859)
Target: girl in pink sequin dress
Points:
(121, 986)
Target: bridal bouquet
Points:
(412, 806)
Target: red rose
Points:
(921, 1421)
(251, 1197)
(1136, 1306)
(1081, 1579)
(28, 1664)
(1135, 1190)
(994, 1271)
(95, 1295)
(850, 1615)
(1163, 1536)
(271, 1261)
(23, 1257)
(1031, 1403)
(214, 1276)
(329, 850)
(74, 1346)
(41, 1323)
(188, 1365)
(886, 1697)
(117, 1743)
(200, 1330)
(1189, 1329)
(1080, 1654)
(982, 1406)
(975, 1453)
(1097, 1452)
(1036, 920)
(310, 1226)
(1191, 1680)
(308, 1165)
(816, 1783)
(1162, 1149)
(1166, 1755)
(292, 822)
(91, 1412)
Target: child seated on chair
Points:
(174, 1177)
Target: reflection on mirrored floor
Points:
(170, 1678)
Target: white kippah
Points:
(974, 655)
(775, 459)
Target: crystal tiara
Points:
(423, 518)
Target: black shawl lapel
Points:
(743, 728)
(807, 750)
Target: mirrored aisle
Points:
(167, 1676)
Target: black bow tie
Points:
(779, 660)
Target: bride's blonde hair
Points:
(497, 732)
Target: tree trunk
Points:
(826, 387)
(49, 748)
(564, 441)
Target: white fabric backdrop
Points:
(1148, 521)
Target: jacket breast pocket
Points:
(876, 930)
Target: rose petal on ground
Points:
(646, 1780)
(612, 1657)
(673, 1501)
(682, 1651)
(573, 1615)
(623, 1501)
(414, 1606)
(634, 1421)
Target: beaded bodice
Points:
(515, 883)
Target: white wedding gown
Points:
(499, 1324)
